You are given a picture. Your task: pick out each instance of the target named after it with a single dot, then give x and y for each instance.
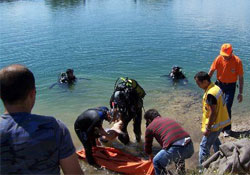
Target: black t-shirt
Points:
(211, 100)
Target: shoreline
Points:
(186, 110)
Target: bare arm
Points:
(211, 72)
(70, 165)
(241, 83)
(107, 135)
(212, 118)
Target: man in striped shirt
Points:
(175, 142)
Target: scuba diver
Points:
(127, 99)
(67, 77)
(176, 73)
(88, 128)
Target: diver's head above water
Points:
(67, 77)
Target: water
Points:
(103, 40)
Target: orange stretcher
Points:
(118, 161)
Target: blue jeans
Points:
(206, 143)
(173, 153)
(229, 91)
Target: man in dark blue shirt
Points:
(31, 144)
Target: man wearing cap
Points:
(88, 127)
(229, 69)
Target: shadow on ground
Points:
(240, 134)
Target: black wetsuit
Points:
(131, 108)
(85, 129)
(65, 79)
(177, 75)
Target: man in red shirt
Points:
(229, 70)
(175, 142)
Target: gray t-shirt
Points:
(33, 144)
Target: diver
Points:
(88, 128)
(127, 99)
(176, 73)
(67, 77)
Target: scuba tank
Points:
(129, 84)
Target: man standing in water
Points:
(215, 115)
(31, 144)
(229, 69)
(175, 141)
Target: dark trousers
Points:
(229, 91)
(88, 142)
(126, 118)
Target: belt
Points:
(219, 82)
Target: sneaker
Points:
(227, 133)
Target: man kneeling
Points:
(176, 143)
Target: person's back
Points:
(175, 142)
(161, 129)
(87, 127)
(88, 120)
(31, 144)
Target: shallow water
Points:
(141, 39)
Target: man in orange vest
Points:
(229, 69)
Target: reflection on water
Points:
(64, 3)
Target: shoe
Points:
(227, 133)
(200, 169)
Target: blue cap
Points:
(104, 108)
(103, 112)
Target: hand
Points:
(117, 115)
(96, 131)
(113, 115)
(207, 132)
(117, 125)
(151, 156)
(240, 98)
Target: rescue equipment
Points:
(126, 84)
(116, 160)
